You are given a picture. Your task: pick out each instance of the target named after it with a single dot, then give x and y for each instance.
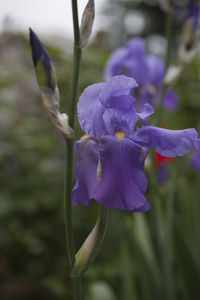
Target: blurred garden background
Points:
(154, 255)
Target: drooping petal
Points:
(165, 141)
(123, 182)
(90, 110)
(116, 86)
(86, 171)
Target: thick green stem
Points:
(70, 141)
(67, 202)
(75, 22)
(76, 281)
(69, 153)
(74, 85)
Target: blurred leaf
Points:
(188, 261)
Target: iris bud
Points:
(87, 23)
(46, 78)
(91, 246)
(43, 66)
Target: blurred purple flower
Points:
(148, 70)
(195, 157)
(193, 13)
(111, 159)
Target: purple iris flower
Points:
(111, 158)
(195, 157)
(148, 70)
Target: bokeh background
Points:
(154, 255)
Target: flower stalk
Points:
(70, 141)
(80, 40)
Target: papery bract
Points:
(106, 112)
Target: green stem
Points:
(75, 22)
(76, 288)
(168, 31)
(70, 142)
(76, 65)
(74, 85)
(67, 202)
(69, 153)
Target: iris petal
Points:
(86, 171)
(121, 115)
(156, 69)
(90, 110)
(114, 66)
(116, 86)
(123, 182)
(146, 111)
(167, 142)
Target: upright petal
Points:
(90, 110)
(116, 86)
(120, 115)
(123, 182)
(116, 64)
(137, 61)
(86, 171)
(165, 141)
(136, 47)
(156, 69)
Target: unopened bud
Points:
(47, 82)
(44, 68)
(87, 23)
(91, 246)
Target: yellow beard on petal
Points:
(120, 135)
(84, 136)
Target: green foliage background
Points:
(155, 255)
